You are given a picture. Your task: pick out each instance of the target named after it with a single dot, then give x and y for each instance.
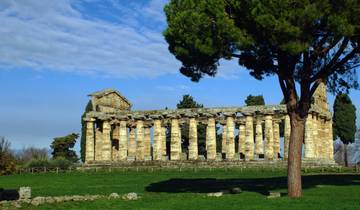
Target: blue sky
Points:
(54, 53)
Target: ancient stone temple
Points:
(115, 134)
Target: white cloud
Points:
(53, 35)
(173, 88)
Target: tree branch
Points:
(326, 68)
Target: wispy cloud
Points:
(173, 88)
(54, 35)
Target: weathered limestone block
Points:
(106, 147)
(132, 143)
(276, 139)
(249, 140)
(230, 139)
(223, 140)
(163, 142)
(24, 193)
(123, 141)
(211, 139)
(242, 139)
(308, 138)
(193, 139)
(98, 144)
(175, 142)
(269, 138)
(157, 140)
(287, 132)
(147, 143)
(320, 142)
(140, 140)
(259, 144)
(90, 142)
(330, 141)
(315, 135)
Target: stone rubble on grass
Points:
(274, 195)
(114, 196)
(130, 196)
(216, 194)
(25, 197)
(38, 201)
(24, 193)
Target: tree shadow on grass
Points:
(259, 185)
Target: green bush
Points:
(61, 163)
(38, 163)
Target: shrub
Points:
(7, 160)
(38, 163)
(61, 163)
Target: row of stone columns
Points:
(253, 142)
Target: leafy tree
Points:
(304, 42)
(62, 147)
(88, 108)
(254, 100)
(344, 121)
(7, 160)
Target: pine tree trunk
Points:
(295, 152)
(345, 156)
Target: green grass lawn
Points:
(173, 189)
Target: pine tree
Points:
(254, 100)
(344, 121)
(302, 43)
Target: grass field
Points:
(173, 189)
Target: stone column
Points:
(259, 145)
(315, 135)
(308, 138)
(320, 141)
(98, 144)
(269, 138)
(287, 132)
(242, 139)
(163, 142)
(123, 141)
(276, 139)
(90, 142)
(147, 143)
(193, 139)
(249, 140)
(140, 140)
(132, 144)
(230, 139)
(223, 140)
(157, 153)
(330, 140)
(175, 142)
(106, 144)
(211, 139)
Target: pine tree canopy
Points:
(304, 41)
(254, 100)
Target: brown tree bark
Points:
(295, 153)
